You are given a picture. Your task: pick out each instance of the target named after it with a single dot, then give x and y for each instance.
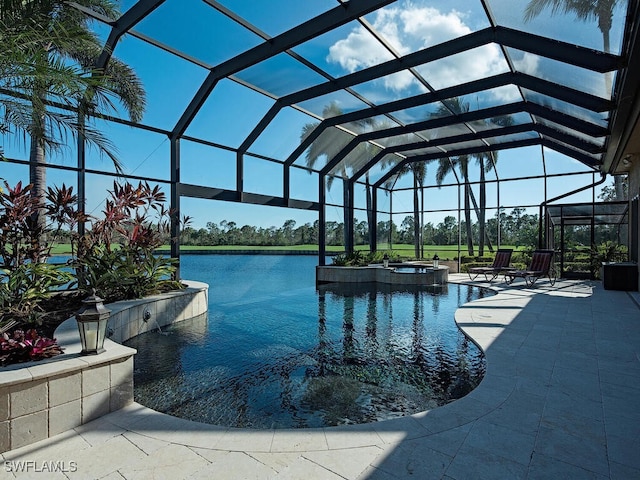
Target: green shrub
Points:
(118, 275)
(352, 259)
(24, 288)
(606, 252)
(359, 259)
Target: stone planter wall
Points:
(133, 317)
(41, 399)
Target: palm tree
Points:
(485, 160)
(20, 43)
(447, 165)
(58, 64)
(419, 172)
(585, 11)
(331, 146)
(486, 164)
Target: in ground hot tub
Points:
(399, 274)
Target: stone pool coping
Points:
(44, 398)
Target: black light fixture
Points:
(385, 261)
(436, 261)
(92, 324)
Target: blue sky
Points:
(232, 110)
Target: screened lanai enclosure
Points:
(369, 114)
(576, 230)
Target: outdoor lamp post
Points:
(436, 261)
(385, 261)
(92, 324)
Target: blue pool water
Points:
(275, 352)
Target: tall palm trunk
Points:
(347, 217)
(467, 215)
(370, 222)
(416, 216)
(37, 158)
(476, 209)
(38, 178)
(483, 209)
(422, 221)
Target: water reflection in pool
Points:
(312, 358)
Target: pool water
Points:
(275, 352)
(414, 269)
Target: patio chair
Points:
(541, 266)
(500, 265)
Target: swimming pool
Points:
(275, 352)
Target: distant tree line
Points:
(516, 228)
(229, 233)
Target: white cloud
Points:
(430, 26)
(359, 50)
(528, 63)
(408, 28)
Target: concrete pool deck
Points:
(559, 400)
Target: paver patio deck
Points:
(559, 401)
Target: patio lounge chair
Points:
(541, 266)
(500, 265)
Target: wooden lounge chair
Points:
(500, 265)
(541, 266)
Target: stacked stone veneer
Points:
(376, 273)
(41, 399)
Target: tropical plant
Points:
(18, 232)
(606, 252)
(116, 256)
(121, 273)
(53, 59)
(584, 10)
(22, 35)
(24, 346)
(360, 259)
(24, 289)
(350, 259)
(25, 283)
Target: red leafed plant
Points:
(24, 346)
(115, 257)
